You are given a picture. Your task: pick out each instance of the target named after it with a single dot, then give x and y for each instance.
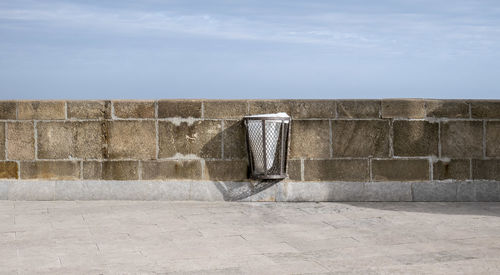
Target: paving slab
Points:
(159, 237)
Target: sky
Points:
(226, 49)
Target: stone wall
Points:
(360, 141)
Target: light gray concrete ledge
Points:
(250, 191)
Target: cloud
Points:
(391, 31)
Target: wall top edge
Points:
(263, 99)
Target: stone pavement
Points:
(129, 237)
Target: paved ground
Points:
(116, 237)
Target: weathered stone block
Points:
(54, 170)
(21, 140)
(235, 146)
(41, 110)
(466, 191)
(485, 109)
(457, 169)
(120, 170)
(297, 109)
(2, 141)
(200, 139)
(63, 140)
(225, 109)
(122, 190)
(403, 108)
(171, 169)
(226, 170)
(310, 139)
(33, 190)
(134, 109)
(387, 191)
(320, 191)
(336, 170)
(294, 170)
(400, 170)
(447, 108)
(358, 108)
(461, 139)
(360, 138)
(89, 109)
(131, 139)
(486, 169)
(487, 191)
(493, 139)
(8, 170)
(179, 108)
(434, 191)
(4, 189)
(415, 138)
(8, 110)
(92, 170)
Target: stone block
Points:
(235, 146)
(493, 139)
(447, 108)
(2, 141)
(403, 108)
(486, 169)
(487, 191)
(73, 190)
(120, 170)
(171, 169)
(415, 138)
(233, 191)
(89, 109)
(310, 139)
(131, 140)
(456, 169)
(336, 170)
(206, 191)
(319, 191)
(387, 191)
(53, 170)
(4, 190)
(182, 108)
(92, 170)
(400, 169)
(66, 140)
(21, 140)
(297, 109)
(485, 109)
(202, 138)
(8, 109)
(358, 108)
(294, 170)
(32, 190)
(462, 139)
(226, 170)
(434, 191)
(360, 138)
(225, 109)
(8, 170)
(134, 109)
(41, 110)
(466, 191)
(262, 191)
(121, 190)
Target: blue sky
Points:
(249, 49)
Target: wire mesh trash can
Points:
(267, 142)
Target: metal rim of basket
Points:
(284, 152)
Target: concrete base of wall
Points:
(250, 191)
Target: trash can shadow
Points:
(230, 173)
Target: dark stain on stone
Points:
(105, 139)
